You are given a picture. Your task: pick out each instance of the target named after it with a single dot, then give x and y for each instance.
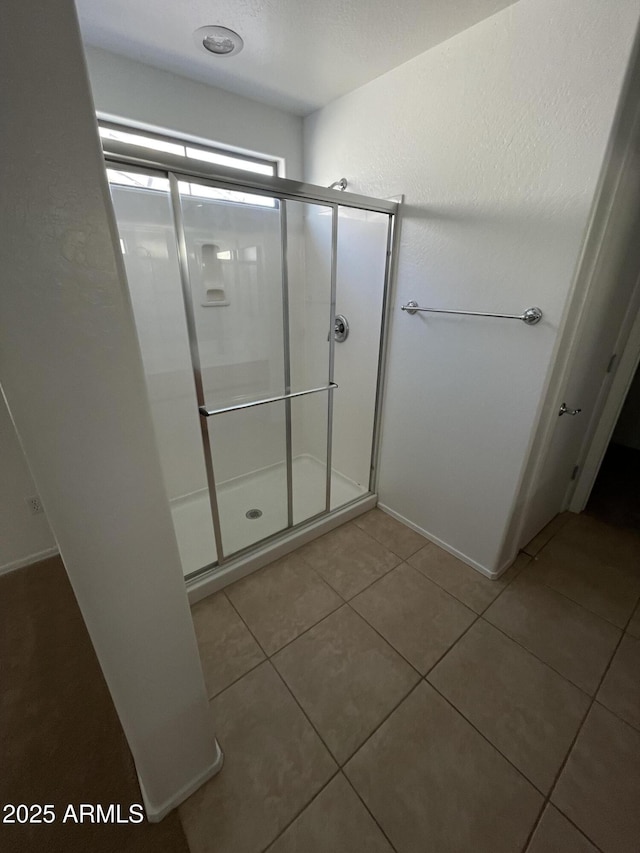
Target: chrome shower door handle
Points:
(565, 411)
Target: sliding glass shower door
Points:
(234, 296)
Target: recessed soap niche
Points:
(212, 262)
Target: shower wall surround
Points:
(497, 138)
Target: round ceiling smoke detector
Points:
(220, 41)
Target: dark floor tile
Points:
(416, 616)
(581, 574)
(346, 678)
(467, 584)
(227, 649)
(282, 600)
(555, 834)
(528, 711)
(547, 533)
(620, 691)
(274, 765)
(335, 822)
(599, 787)
(434, 784)
(394, 535)
(349, 559)
(572, 640)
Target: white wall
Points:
(73, 379)
(24, 537)
(165, 101)
(126, 89)
(497, 138)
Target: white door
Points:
(611, 265)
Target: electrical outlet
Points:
(34, 505)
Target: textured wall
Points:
(73, 378)
(496, 138)
(165, 100)
(24, 537)
(168, 101)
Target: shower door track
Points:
(175, 167)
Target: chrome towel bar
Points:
(531, 316)
(208, 412)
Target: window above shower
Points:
(191, 151)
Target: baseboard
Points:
(155, 813)
(488, 573)
(27, 561)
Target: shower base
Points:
(264, 490)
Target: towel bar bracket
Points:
(531, 316)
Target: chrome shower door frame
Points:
(175, 168)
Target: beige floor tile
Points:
(227, 649)
(572, 640)
(580, 574)
(274, 765)
(282, 600)
(607, 543)
(528, 711)
(394, 535)
(554, 834)
(349, 559)
(335, 822)
(346, 678)
(599, 787)
(547, 533)
(633, 627)
(416, 616)
(434, 784)
(620, 691)
(472, 588)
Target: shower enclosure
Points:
(260, 306)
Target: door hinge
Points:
(612, 362)
(574, 473)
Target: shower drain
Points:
(253, 513)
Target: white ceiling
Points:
(298, 54)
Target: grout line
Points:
(244, 622)
(350, 756)
(327, 582)
(538, 658)
(489, 580)
(485, 738)
(576, 827)
(385, 545)
(536, 824)
(306, 715)
(580, 727)
(298, 813)
(347, 602)
(586, 609)
(269, 655)
(385, 640)
(369, 812)
(236, 680)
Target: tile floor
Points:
(372, 693)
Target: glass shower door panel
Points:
(249, 453)
(361, 267)
(147, 237)
(234, 251)
(309, 229)
(309, 258)
(309, 420)
(235, 270)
